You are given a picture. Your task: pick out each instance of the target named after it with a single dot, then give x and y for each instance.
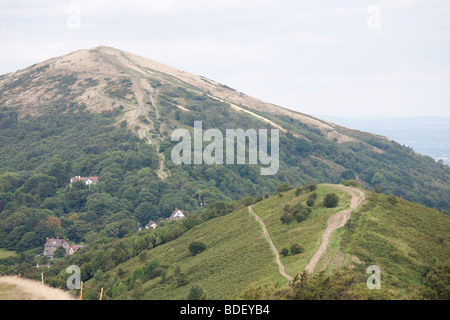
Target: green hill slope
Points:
(407, 241)
(404, 239)
(238, 256)
(109, 113)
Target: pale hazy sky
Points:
(343, 58)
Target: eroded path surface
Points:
(336, 221)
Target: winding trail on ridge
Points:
(336, 221)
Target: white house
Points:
(75, 248)
(87, 180)
(177, 215)
(151, 224)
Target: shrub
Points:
(296, 249)
(302, 214)
(287, 217)
(284, 252)
(437, 283)
(311, 186)
(248, 200)
(331, 200)
(138, 273)
(283, 187)
(311, 200)
(152, 269)
(350, 183)
(196, 293)
(297, 212)
(392, 199)
(196, 247)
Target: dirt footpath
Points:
(275, 251)
(336, 221)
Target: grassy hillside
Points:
(237, 256)
(307, 233)
(108, 113)
(405, 240)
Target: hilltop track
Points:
(336, 221)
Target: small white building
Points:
(177, 215)
(87, 180)
(75, 248)
(151, 224)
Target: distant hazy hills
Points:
(426, 135)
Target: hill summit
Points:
(151, 100)
(98, 77)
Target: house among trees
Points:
(88, 180)
(150, 224)
(75, 248)
(177, 215)
(52, 244)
